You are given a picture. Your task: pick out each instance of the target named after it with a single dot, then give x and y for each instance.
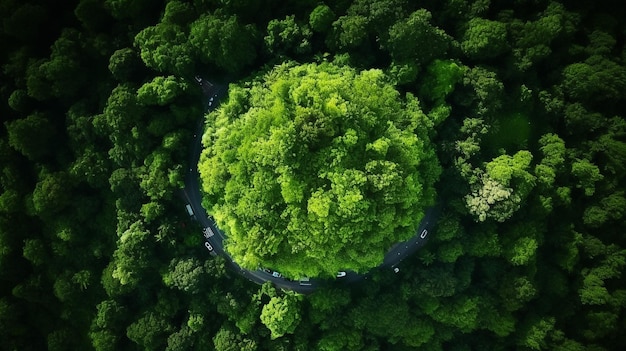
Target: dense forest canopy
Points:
(525, 101)
(315, 169)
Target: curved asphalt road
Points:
(192, 194)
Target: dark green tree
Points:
(32, 136)
(224, 42)
(484, 39)
(165, 48)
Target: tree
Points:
(124, 63)
(281, 315)
(124, 9)
(52, 193)
(484, 39)
(19, 100)
(580, 121)
(165, 48)
(595, 80)
(185, 274)
(324, 170)
(62, 75)
(32, 136)
(161, 90)
(441, 77)
(103, 340)
(321, 18)
(227, 339)
(149, 331)
(110, 315)
(416, 39)
(501, 188)
(288, 36)
(224, 42)
(488, 90)
(533, 39)
(178, 12)
(535, 331)
(132, 257)
(587, 175)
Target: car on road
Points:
(424, 233)
(209, 247)
(208, 232)
(276, 275)
(189, 209)
(341, 274)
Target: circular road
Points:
(214, 237)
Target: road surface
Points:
(213, 93)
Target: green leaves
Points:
(484, 39)
(317, 169)
(502, 187)
(416, 39)
(281, 315)
(31, 135)
(161, 90)
(164, 48)
(223, 41)
(596, 80)
(321, 18)
(587, 175)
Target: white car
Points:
(208, 232)
(424, 233)
(341, 274)
(208, 246)
(276, 275)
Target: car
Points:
(396, 269)
(208, 246)
(424, 233)
(268, 271)
(208, 232)
(189, 210)
(305, 281)
(276, 275)
(198, 79)
(341, 274)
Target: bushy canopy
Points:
(313, 169)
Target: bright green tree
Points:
(281, 315)
(502, 187)
(316, 169)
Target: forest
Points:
(525, 104)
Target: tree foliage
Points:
(316, 169)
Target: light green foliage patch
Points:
(316, 168)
